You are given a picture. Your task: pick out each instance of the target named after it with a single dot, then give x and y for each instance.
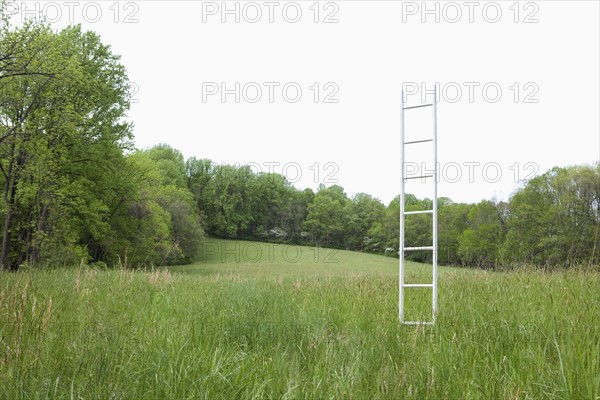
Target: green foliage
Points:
(361, 213)
(273, 197)
(64, 99)
(232, 196)
(234, 202)
(555, 218)
(479, 242)
(171, 165)
(452, 222)
(69, 191)
(326, 215)
(158, 224)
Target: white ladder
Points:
(433, 248)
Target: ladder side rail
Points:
(401, 243)
(435, 209)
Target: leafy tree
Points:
(64, 98)
(231, 193)
(174, 197)
(554, 219)
(170, 163)
(273, 194)
(478, 244)
(361, 213)
(452, 222)
(199, 174)
(326, 216)
(295, 214)
(384, 234)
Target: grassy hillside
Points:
(255, 259)
(246, 327)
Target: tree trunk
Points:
(9, 197)
(37, 240)
(7, 232)
(10, 200)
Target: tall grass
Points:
(229, 328)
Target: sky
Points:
(313, 90)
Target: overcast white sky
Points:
(519, 85)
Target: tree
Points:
(554, 219)
(295, 213)
(230, 196)
(326, 215)
(273, 194)
(452, 222)
(478, 244)
(385, 234)
(141, 230)
(64, 98)
(174, 197)
(361, 213)
(170, 163)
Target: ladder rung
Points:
(417, 177)
(418, 248)
(419, 141)
(417, 322)
(419, 106)
(417, 284)
(418, 212)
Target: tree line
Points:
(75, 189)
(553, 220)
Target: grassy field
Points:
(271, 321)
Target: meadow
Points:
(253, 320)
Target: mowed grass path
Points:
(249, 325)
